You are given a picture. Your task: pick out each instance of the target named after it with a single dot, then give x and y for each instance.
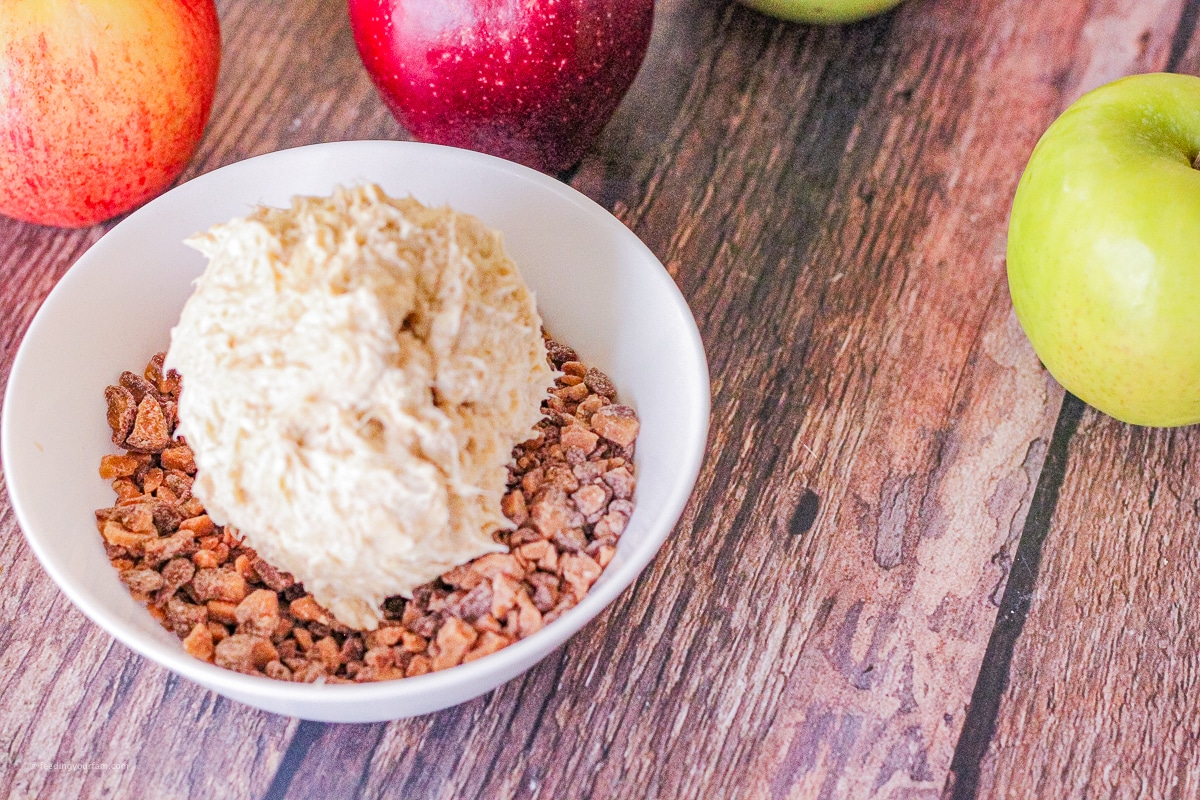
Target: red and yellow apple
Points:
(102, 103)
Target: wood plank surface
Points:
(832, 617)
(1101, 686)
(1105, 680)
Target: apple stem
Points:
(1196, 162)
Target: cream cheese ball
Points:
(357, 370)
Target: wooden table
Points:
(911, 568)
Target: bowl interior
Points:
(598, 287)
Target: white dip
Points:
(357, 370)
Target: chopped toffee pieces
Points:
(569, 497)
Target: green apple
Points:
(822, 12)
(1104, 249)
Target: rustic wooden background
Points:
(924, 572)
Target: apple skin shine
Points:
(1103, 265)
(533, 81)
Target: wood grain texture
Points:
(1105, 678)
(833, 204)
(1139, 39)
(979, 726)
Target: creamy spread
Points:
(358, 369)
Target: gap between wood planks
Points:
(306, 733)
(980, 724)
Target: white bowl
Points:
(599, 288)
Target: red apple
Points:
(102, 102)
(532, 81)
